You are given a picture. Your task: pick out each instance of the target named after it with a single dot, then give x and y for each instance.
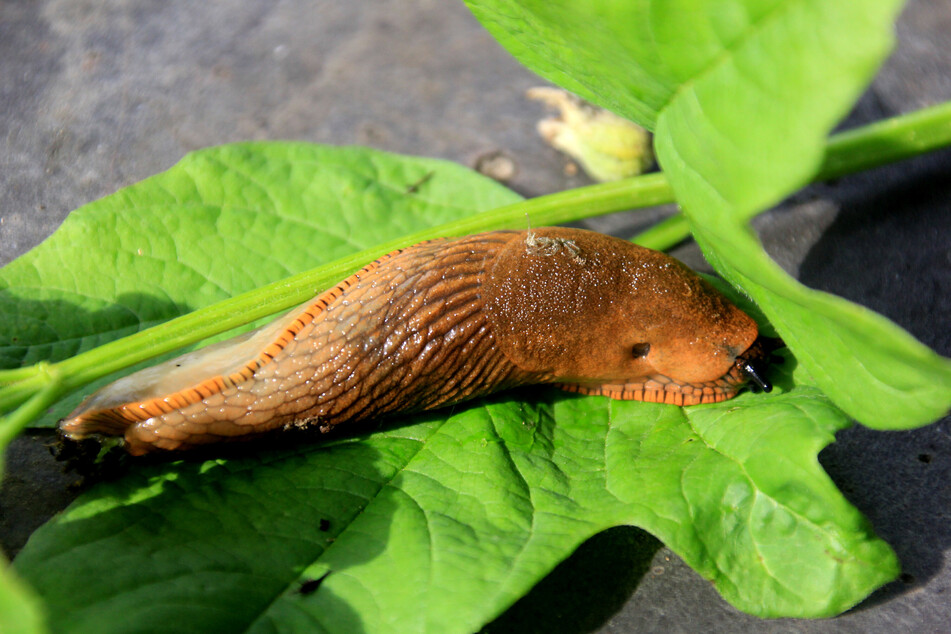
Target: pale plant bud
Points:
(607, 146)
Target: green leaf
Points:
(20, 608)
(223, 221)
(742, 95)
(437, 523)
(441, 524)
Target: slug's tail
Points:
(205, 378)
(106, 423)
(198, 379)
(128, 413)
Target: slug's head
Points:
(587, 309)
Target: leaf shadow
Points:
(585, 590)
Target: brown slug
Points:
(441, 322)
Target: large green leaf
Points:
(741, 95)
(441, 522)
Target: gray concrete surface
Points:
(95, 96)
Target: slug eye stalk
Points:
(755, 376)
(757, 359)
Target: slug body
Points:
(442, 322)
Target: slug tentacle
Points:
(754, 361)
(756, 376)
(441, 322)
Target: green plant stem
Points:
(860, 149)
(18, 374)
(665, 234)
(49, 392)
(887, 141)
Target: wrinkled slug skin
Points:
(439, 323)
